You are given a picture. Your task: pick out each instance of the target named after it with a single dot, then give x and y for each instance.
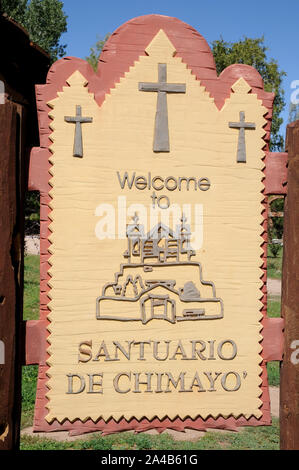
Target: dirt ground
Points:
(32, 245)
(274, 287)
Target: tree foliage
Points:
(254, 52)
(275, 227)
(14, 8)
(95, 52)
(32, 213)
(44, 20)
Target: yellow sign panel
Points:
(155, 247)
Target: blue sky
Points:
(277, 21)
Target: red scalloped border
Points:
(124, 47)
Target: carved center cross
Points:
(242, 125)
(161, 137)
(78, 120)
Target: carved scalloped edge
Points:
(212, 85)
(108, 426)
(161, 418)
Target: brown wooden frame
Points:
(11, 274)
(289, 378)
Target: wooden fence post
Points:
(289, 390)
(11, 266)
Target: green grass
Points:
(251, 438)
(273, 371)
(31, 287)
(273, 367)
(274, 306)
(31, 312)
(29, 381)
(275, 264)
(264, 437)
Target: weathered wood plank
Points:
(289, 392)
(10, 291)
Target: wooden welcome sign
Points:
(153, 242)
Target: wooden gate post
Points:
(11, 266)
(289, 391)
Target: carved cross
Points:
(78, 120)
(242, 125)
(161, 137)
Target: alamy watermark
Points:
(175, 220)
(295, 354)
(114, 220)
(295, 93)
